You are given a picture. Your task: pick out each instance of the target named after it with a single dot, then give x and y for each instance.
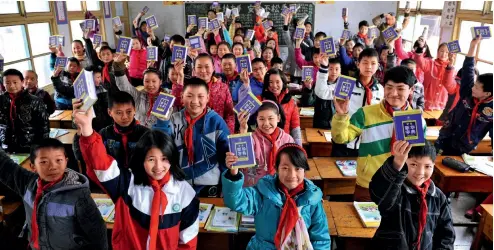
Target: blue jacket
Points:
(232, 85)
(241, 91)
(210, 147)
(265, 202)
(348, 63)
(454, 132)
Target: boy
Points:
(372, 125)
(230, 75)
(307, 99)
(384, 21)
(166, 57)
(415, 213)
(328, 74)
(349, 63)
(60, 213)
(31, 84)
(455, 97)
(201, 138)
(361, 36)
(63, 82)
(471, 119)
(277, 63)
(367, 91)
(23, 117)
(255, 80)
(417, 97)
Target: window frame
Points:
(80, 15)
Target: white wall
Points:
(171, 18)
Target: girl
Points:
(238, 49)
(79, 52)
(267, 138)
(223, 48)
(155, 208)
(438, 76)
(285, 205)
(267, 55)
(138, 62)
(271, 43)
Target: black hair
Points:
(266, 48)
(195, 82)
(460, 72)
(104, 44)
(79, 42)
(275, 52)
(363, 23)
(239, 22)
(45, 143)
(106, 48)
(74, 60)
(315, 51)
(277, 109)
(427, 51)
(152, 71)
(226, 44)
(32, 71)
(428, 150)
(178, 39)
(276, 60)
(120, 97)
(210, 46)
(486, 81)
(210, 10)
(204, 55)
(320, 33)
(441, 45)
(142, 23)
(97, 70)
(234, 44)
(259, 60)
(228, 56)
(240, 30)
(13, 72)
(368, 52)
(268, 95)
(154, 139)
(308, 22)
(407, 61)
(334, 61)
(400, 74)
(296, 155)
(239, 36)
(357, 45)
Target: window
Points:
(432, 5)
(13, 43)
(39, 32)
(76, 30)
(37, 6)
(413, 5)
(416, 27)
(93, 5)
(9, 7)
(74, 5)
(485, 52)
(466, 34)
(472, 5)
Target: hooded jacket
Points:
(67, 215)
(64, 90)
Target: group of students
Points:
(154, 169)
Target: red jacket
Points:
(178, 225)
(302, 62)
(138, 63)
(402, 55)
(220, 100)
(259, 34)
(438, 81)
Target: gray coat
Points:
(67, 215)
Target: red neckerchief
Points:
(441, 70)
(124, 136)
(272, 155)
(106, 73)
(157, 208)
(34, 222)
(368, 91)
(229, 79)
(189, 134)
(362, 36)
(13, 107)
(477, 102)
(422, 191)
(289, 214)
(390, 111)
(151, 99)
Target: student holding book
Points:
(60, 213)
(416, 99)
(290, 63)
(402, 55)
(78, 52)
(63, 80)
(251, 83)
(230, 76)
(373, 126)
(471, 119)
(415, 213)
(307, 90)
(155, 208)
(267, 56)
(23, 117)
(267, 137)
(362, 35)
(137, 62)
(285, 205)
(327, 77)
(350, 63)
(201, 137)
(31, 84)
(166, 57)
(384, 21)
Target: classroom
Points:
(230, 125)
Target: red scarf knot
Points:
(289, 214)
(106, 73)
(422, 216)
(272, 155)
(368, 91)
(189, 134)
(158, 207)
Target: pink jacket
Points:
(302, 62)
(402, 55)
(138, 63)
(438, 81)
(262, 148)
(217, 64)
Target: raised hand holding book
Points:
(84, 89)
(163, 104)
(124, 45)
(408, 126)
(344, 87)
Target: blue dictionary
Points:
(53, 42)
(344, 87)
(220, 16)
(454, 46)
(152, 53)
(97, 39)
(390, 34)
(266, 25)
(215, 4)
(216, 24)
(249, 34)
(250, 103)
(145, 9)
(90, 24)
(203, 22)
(192, 20)
(179, 53)
(167, 38)
(484, 31)
(299, 33)
(307, 72)
(124, 45)
(373, 32)
(84, 89)
(195, 42)
(243, 62)
(61, 40)
(344, 12)
(162, 105)
(346, 34)
(242, 146)
(409, 127)
(293, 8)
(235, 12)
(327, 46)
(285, 11)
(60, 62)
(117, 21)
(152, 22)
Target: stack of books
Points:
(368, 213)
(247, 224)
(223, 219)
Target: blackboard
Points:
(247, 15)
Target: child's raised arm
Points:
(14, 176)
(345, 129)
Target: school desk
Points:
(66, 122)
(485, 227)
(432, 115)
(484, 146)
(305, 121)
(351, 232)
(318, 145)
(334, 183)
(450, 180)
(329, 214)
(55, 121)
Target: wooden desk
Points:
(485, 227)
(334, 183)
(350, 230)
(55, 122)
(305, 121)
(484, 146)
(329, 215)
(433, 115)
(318, 145)
(66, 122)
(67, 139)
(450, 180)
